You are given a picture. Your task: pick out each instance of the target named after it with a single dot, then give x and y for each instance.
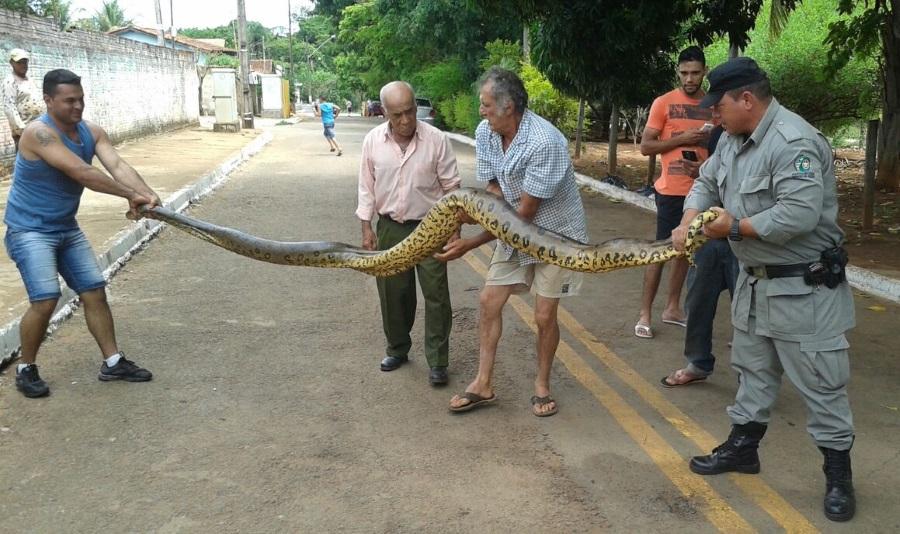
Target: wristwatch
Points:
(735, 233)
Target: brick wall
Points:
(131, 89)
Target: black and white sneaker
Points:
(29, 382)
(125, 370)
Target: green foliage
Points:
(463, 112)
(58, 10)
(441, 80)
(400, 39)
(502, 53)
(221, 60)
(857, 33)
(110, 16)
(220, 32)
(20, 6)
(548, 102)
(797, 68)
(612, 50)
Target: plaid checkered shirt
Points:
(536, 162)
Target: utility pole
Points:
(171, 23)
(161, 37)
(290, 44)
(247, 112)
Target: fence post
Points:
(869, 176)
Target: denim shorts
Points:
(329, 130)
(41, 257)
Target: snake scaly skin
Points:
(491, 212)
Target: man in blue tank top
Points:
(43, 238)
(328, 111)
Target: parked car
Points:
(425, 111)
(375, 109)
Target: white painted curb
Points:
(862, 279)
(132, 240)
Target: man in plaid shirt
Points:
(524, 159)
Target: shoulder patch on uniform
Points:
(788, 131)
(802, 163)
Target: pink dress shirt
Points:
(402, 186)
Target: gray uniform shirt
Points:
(782, 178)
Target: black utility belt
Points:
(829, 271)
(777, 271)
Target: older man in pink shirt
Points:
(406, 167)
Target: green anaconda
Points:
(491, 212)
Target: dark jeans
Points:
(715, 270)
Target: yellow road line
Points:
(755, 487)
(667, 459)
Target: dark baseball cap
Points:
(733, 74)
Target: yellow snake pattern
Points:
(491, 212)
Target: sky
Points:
(196, 13)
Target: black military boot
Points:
(840, 503)
(738, 453)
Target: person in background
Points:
(328, 112)
(675, 129)
(23, 102)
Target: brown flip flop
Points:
(475, 400)
(543, 401)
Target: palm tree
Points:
(110, 16)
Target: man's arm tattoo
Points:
(44, 137)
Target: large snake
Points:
(491, 212)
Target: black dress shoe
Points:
(389, 363)
(438, 376)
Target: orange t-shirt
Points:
(671, 114)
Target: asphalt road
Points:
(268, 412)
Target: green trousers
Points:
(398, 299)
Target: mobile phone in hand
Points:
(706, 127)
(689, 155)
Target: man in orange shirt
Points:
(677, 129)
(407, 166)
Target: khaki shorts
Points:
(542, 279)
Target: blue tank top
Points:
(42, 198)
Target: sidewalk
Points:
(179, 165)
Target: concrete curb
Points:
(859, 278)
(133, 239)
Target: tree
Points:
(20, 6)
(396, 39)
(616, 52)
(58, 10)
(829, 100)
(735, 19)
(872, 28)
(110, 16)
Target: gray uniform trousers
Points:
(819, 370)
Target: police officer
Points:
(773, 176)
